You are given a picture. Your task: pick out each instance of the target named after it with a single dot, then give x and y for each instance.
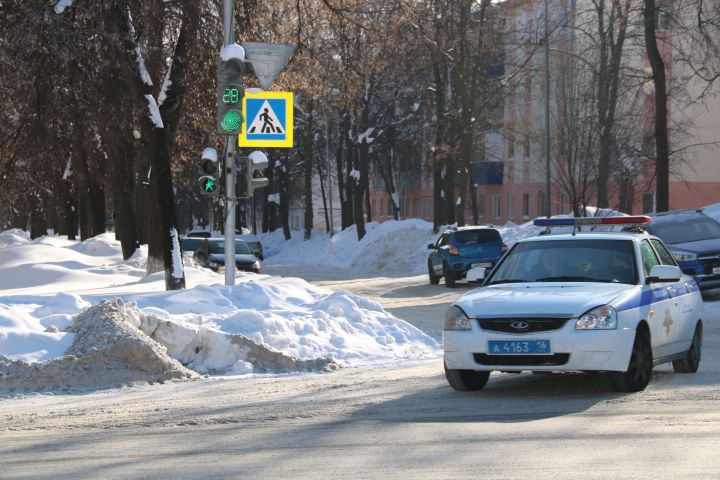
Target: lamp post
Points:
(547, 113)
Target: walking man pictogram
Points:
(267, 122)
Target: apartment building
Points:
(510, 177)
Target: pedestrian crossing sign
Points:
(268, 120)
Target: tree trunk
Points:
(308, 154)
(324, 197)
(662, 152)
(159, 138)
(611, 51)
(285, 198)
(342, 132)
(38, 225)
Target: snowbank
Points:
(389, 247)
(262, 324)
(107, 350)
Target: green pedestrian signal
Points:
(210, 185)
(208, 172)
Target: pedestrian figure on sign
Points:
(267, 122)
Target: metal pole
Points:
(547, 113)
(230, 201)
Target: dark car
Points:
(189, 244)
(460, 249)
(199, 234)
(210, 253)
(694, 240)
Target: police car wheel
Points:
(691, 361)
(639, 371)
(466, 380)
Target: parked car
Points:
(460, 249)
(189, 244)
(210, 253)
(199, 234)
(694, 240)
(586, 302)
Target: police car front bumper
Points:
(570, 350)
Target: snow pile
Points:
(107, 350)
(389, 247)
(261, 324)
(13, 237)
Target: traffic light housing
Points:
(256, 162)
(208, 172)
(230, 89)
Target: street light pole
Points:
(547, 113)
(230, 201)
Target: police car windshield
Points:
(575, 260)
(688, 229)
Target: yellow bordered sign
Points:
(268, 120)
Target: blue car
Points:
(460, 249)
(694, 240)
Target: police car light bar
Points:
(580, 221)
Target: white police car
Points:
(610, 302)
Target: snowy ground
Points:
(48, 281)
(264, 323)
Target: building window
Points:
(526, 205)
(511, 147)
(526, 144)
(417, 208)
(389, 210)
(428, 208)
(481, 205)
(511, 206)
(541, 204)
(648, 202)
(496, 205)
(380, 210)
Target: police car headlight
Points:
(599, 318)
(684, 257)
(455, 319)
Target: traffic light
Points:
(256, 163)
(230, 89)
(208, 172)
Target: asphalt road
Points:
(388, 422)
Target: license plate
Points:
(519, 347)
(481, 265)
(716, 270)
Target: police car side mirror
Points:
(431, 246)
(476, 275)
(664, 273)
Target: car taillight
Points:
(453, 251)
(503, 248)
